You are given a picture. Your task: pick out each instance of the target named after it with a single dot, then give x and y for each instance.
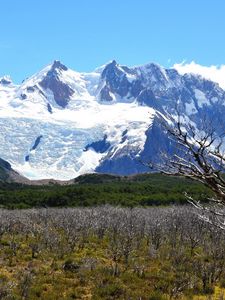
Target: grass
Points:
(87, 273)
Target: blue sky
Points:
(88, 33)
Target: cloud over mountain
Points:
(214, 73)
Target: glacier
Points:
(77, 114)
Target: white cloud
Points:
(214, 73)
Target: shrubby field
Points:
(110, 253)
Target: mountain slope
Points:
(60, 123)
(7, 174)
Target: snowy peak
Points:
(53, 86)
(57, 65)
(60, 123)
(157, 78)
(55, 69)
(57, 87)
(111, 70)
(52, 81)
(116, 82)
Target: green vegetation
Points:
(95, 189)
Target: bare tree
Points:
(198, 153)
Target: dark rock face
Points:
(124, 136)
(7, 174)
(30, 89)
(173, 75)
(5, 170)
(23, 96)
(124, 165)
(147, 97)
(136, 88)
(60, 90)
(35, 145)
(5, 81)
(115, 80)
(4, 164)
(58, 65)
(49, 108)
(37, 142)
(157, 141)
(105, 94)
(99, 146)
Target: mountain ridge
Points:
(103, 121)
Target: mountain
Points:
(60, 123)
(7, 174)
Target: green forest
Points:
(96, 189)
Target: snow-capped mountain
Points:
(60, 123)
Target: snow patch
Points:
(201, 98)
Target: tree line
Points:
(96, 189)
